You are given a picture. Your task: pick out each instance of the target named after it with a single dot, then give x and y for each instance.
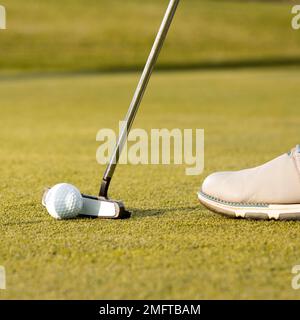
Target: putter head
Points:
(98, 207)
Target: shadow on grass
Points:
(165, 67)
(144, 213)
(9, 224)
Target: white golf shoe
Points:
(270, 191)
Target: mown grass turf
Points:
(115, 34)
(172, 247)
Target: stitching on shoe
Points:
(236, 204)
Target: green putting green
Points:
(172, 248)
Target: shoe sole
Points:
(255, 211)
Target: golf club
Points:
(101, 206)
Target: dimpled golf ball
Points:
(64, 201)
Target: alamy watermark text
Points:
(2, 278)
(296, 279)
(2, 17)
(160, 146)
(296, 18)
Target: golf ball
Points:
(64, 201)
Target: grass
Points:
(172, 247)
(116, 35)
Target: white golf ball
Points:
(64, 201)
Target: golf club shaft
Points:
(138, 96)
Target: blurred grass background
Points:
(81, 35)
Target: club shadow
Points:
(8, 224)
(152, 212)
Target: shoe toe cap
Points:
(211, 184)
(221, 185)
